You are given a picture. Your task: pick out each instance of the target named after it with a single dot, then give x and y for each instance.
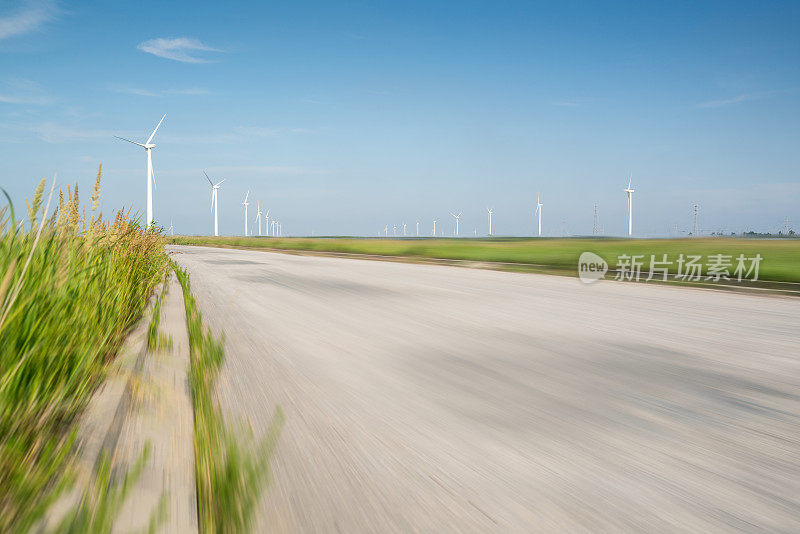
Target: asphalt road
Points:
(441, 399)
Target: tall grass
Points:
(69, 291)
(230, 475)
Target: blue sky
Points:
(344, 117)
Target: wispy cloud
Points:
(51, 132)
(574, 102)
(30, 16)
(188, 91)
(263, 169)
(183, 49)
(257, 131)
(729, 101)
(24, 91)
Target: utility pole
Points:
(696, 208)
(594, 231)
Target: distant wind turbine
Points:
(490, 221)
(630, 205)
(386, 230)
(434, 228)
(539, 213)
(245, 204)
(258, 217)
(266, 220)
(404, 229)
(417, 228)
(457, 218)
(273, 227)
(171, 229)
(148, 147)
(214, 189)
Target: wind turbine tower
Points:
(434, 228)
(629, 191)
(258, 217)
(266, 220)
(696, 209)
(490, 221)
(214, 195)
(404, 229)
(457, 218)
(245, 204)
(539, 213)
(148, 147)
(595, 229)
(417, 228)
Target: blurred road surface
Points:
(424, 398)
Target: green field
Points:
(780, 257)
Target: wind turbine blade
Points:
(220, 182)
(128, 140)
(154, 175)
(247, 195)
(630, 177)
(209, 179)
(154, 131)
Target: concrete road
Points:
(441, 399)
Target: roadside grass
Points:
(103, 498)
(230, 471)
(70, 289)
(155, 339)
(780, 263)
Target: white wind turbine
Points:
(214, 188)
(266, 221)
(148, 147)
(434, 228)
(630, 205)
(404, 229)
(171, 229)
(273, 228)
(490, 221)
(258, 216)
(457, 218)
(245, 204)
(417, 228)
(539, 213)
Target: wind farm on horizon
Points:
(273, 227)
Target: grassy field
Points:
(70, 289)
(781, 257)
